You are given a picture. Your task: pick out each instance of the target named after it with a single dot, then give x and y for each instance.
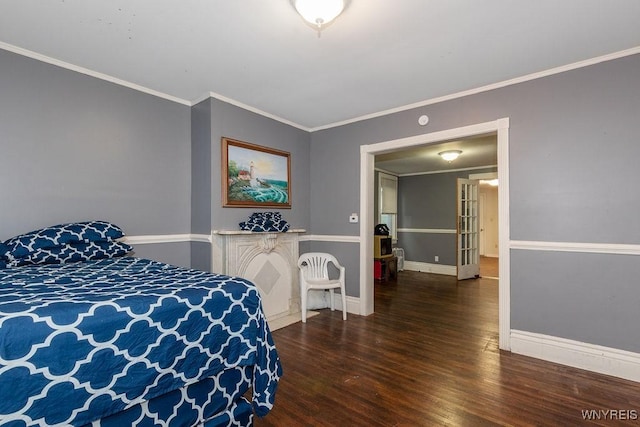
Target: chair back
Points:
(315, 264)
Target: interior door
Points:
(468, 233)
(482, 235)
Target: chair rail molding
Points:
(165, 238)
(329, 238)
(596, 248)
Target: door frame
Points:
(482, 201)
(499, 127)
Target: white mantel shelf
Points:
(228, 232)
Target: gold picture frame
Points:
(255, 176)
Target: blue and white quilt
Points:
(81, 341)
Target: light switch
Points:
(353, 218)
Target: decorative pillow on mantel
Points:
(265, 222)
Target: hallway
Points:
(489, 267)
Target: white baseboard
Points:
(353, 305)
(604, 360)
(320, 299)
(449, 270)
(279, 322)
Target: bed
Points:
(103, 339)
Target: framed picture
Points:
(255, 176)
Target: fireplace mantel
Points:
(267, 259)
(229, 232)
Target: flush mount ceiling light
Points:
(319, 13)
(450, 155)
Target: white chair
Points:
(314, 274)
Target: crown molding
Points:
(486, 88)
(90, 73)
(252, 109)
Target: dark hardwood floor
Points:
(429, 356)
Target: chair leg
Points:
(331, 300)
(344, 303)
(303, 304)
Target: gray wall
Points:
(177, 253)
(573, 164)
(586, 297)
(234, 122)
(213, 119)
(201, 182)
(73, 147)
(429, 202)
(201, 167)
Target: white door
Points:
(468, 229)
(482, 235)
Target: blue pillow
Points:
(73, 252)
(265, 225)
(4, 249)
(3, 259)
(265, 221)
(273, 216)
(57, 235)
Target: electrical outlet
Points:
(353, 218)
(437, 258)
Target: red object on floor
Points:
(377, 269)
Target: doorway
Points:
(488, 210)
(367, 153)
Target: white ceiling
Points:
(478, 152)
(379, 55)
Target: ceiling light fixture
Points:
(319, 13)
(450, 155)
